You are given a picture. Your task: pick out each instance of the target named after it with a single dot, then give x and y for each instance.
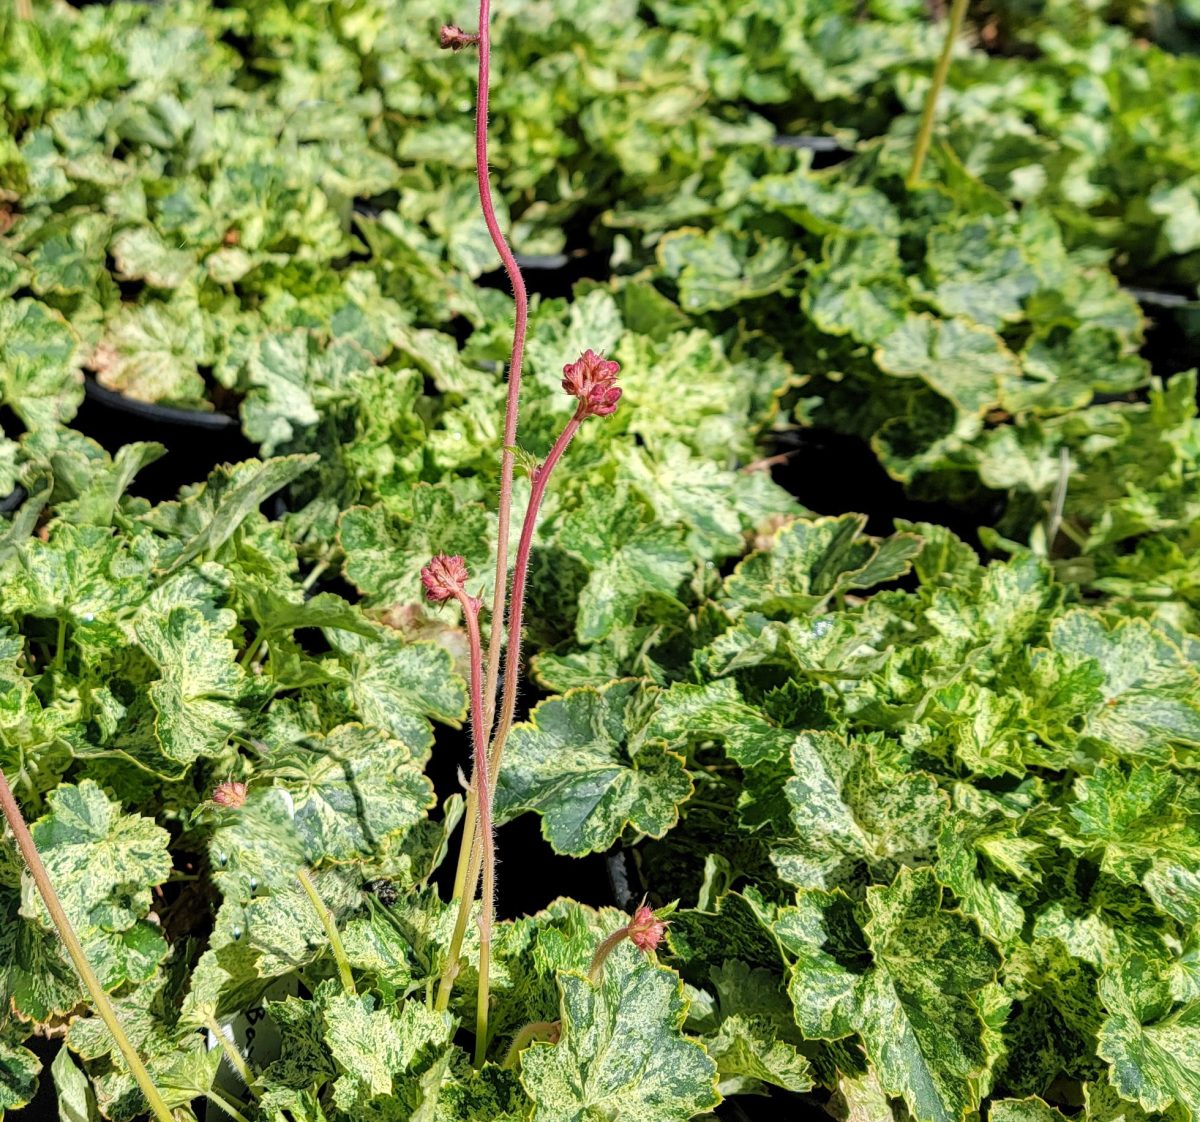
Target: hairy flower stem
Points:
(470, 855)
(468, 851)
(104, 1007)
(958, 9)
(218, 1100)
(512, 406)
(331, 931)
(482, 783)
(535, 1030)
(596, 969)
(516, 604)
(236, 1060)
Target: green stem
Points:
(60, 649)
(314, 575)
(483, 997)
(331, 931)
(248, 656)
(958, 9)
(535, 1030)
(228, 1107)
(236, 1060)
(104, 1007)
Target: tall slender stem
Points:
(60, 648)
(470, 857)
(331, 931)
(104, 1007)
(516, 604)
(507, 457)
(468, 852)
(483, 787)
(958, 10)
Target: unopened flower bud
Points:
(444, 577)
(646, 929)
(454, 38)
(593, 380)
(231, 794)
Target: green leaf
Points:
(965, 363)
(719, 269)
(687, 714)
(749, 1054)
(103, 865)
(903, 982)
(621, 1054)
(1031, 1109)
(141, 253)
(1153, 1048)
(74, 1093)
(352, 790)
(978, 271)
(19, 1069)
(386, 550)
(232, 495)
(40, 378)
(396, 686)
(1150, 694)
(196, 699)
(374, 1046)
(629, 557)
(814, 560)
(852, 814)
(1141, 828)
(580, 764)
(151, 352)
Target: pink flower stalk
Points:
(454, 38)
(444, 578)
(593, 380)
(644, 931)
(231, 794)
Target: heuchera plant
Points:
(591, 380)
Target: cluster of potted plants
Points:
(437, 691)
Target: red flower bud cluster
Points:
(646, 930)
(444, 577)
(231, 794)
(593, 380)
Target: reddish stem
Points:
(518, 356)
(487, 843)
(516, 604)
(482, 774)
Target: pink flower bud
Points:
(646, 930)
(444, 577)
(593, 380)
(231, 793)
(454, 38)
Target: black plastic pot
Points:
(1173, 330)
(831, 473)
(44, 1105)
(196, 441)
(529, 873)
(13, 499)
